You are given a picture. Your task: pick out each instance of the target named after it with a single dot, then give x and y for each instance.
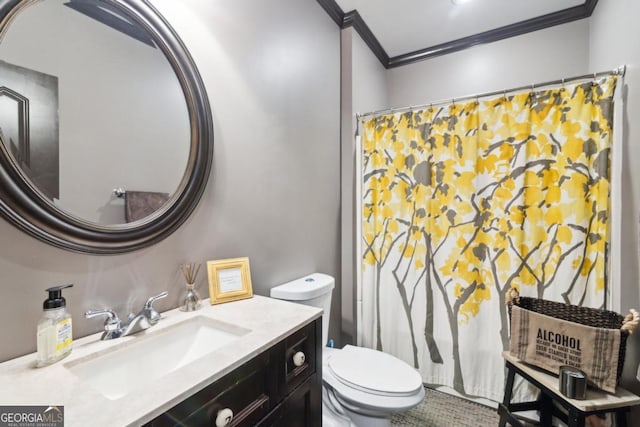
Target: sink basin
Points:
(150, 356)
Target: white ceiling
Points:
(403, 26)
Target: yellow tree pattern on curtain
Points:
(463, 201)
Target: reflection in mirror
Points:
(87, 107)
(29, 124)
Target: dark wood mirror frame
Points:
(28, 209)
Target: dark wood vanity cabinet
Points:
(280, 387)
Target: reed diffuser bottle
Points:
(191, 298)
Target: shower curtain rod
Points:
(620, 71)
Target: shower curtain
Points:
(461, 202)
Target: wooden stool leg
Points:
(621, 417)
(576, 418)
(546, 409)
(506, 401)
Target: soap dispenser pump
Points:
(55, 334)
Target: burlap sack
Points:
(549, 343)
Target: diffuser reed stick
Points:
(190, 272)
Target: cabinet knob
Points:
(224, 417)
(299, 358)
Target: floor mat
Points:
(443, 410)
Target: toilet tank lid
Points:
(304, 288)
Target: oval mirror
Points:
(105, 128)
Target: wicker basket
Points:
(584, 315)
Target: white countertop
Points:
(269, 321)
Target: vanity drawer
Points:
(245, 391)
(302, 342)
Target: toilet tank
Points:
(314, 290)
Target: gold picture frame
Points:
(229, 280)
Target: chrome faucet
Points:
(147, 317)
(113, 327)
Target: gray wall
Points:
(364, 88)
(549, 54)
(272, 72)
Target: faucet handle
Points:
(112, 324)
(111, 315)
(150, 312)
(150, 301)
(111, 320)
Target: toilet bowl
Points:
(361, 387)
(367, 386)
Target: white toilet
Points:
(361, 387)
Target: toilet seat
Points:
(370, 379)
(374, 372)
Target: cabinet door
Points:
(300, 356)
(302, 408)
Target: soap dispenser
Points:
(54, 336)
